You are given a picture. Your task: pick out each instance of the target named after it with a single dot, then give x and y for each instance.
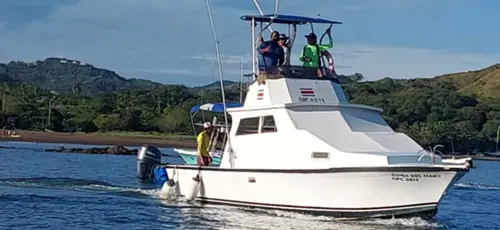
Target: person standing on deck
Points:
(202, 141)
(286, 43)
(271, 53)
(311, 53)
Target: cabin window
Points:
(268, 125)
(248, 126)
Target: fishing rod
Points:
(219, 65)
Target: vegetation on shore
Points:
(460, 110)
(148, 134)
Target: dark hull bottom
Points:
(424, 211)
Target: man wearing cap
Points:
(271, 53)
(286, 43)
(202, 141)
(311, 53)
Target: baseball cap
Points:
(311, 35)
(207, 125)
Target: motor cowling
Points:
(148, 158)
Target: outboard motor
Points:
(148, 158)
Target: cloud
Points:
(16, 14)
(393, 5)
(164, 71)
(170, 41)
(228, 59)
(376, 62)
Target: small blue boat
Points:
(190, 155)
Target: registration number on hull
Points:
(412, 177)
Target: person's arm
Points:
(324, 47)
(264, 47)
(260, 40)
(291, 40)
(199, 143)
(302, 57)
(281, 56)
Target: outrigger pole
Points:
(219, 65)
(261, 12)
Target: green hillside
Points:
(71, 77)
(462, 109)
(484, 83)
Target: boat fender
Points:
(194, 188)
(168, 187)
(471, 163)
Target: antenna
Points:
(241, 80)
(217, 52)
(276, 4)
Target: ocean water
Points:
(76, 191)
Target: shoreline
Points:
(97, 139)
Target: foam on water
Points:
(479, 186)
(254, 218)
(101, 192)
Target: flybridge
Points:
(287, 84)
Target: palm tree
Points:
(498, 137)
(77, 88)
(5, 90)
(51, 102)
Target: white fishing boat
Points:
(297, 144)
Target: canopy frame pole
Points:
(254, 71)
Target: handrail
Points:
(432, 153)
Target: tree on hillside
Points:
(460, 111)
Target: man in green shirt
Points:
(311, 53)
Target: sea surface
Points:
(76, 191)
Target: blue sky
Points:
(170, 41)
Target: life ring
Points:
(329, 60)
(329, 68)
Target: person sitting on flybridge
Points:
(311, 53)
(202, 141)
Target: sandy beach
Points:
(96, 139)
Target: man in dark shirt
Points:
(271, 53)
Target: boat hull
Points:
(343, 193)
